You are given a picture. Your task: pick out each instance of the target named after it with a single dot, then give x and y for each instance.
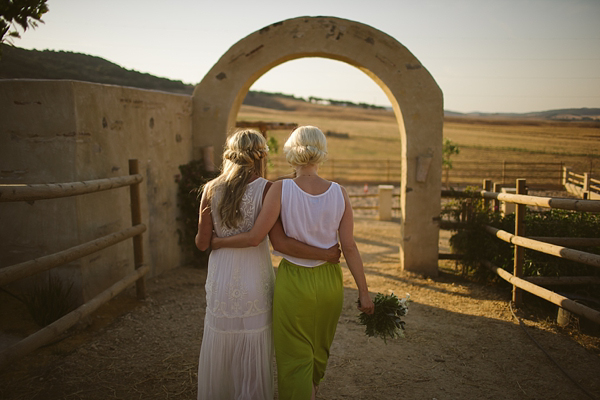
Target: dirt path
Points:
(461, 343)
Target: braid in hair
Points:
(242, 157)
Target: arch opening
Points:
(241, 95)
(415, 98)
(363, 142)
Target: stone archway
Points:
(415, 97)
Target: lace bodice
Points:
(240, 281)
(250, 208)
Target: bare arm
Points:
(205, 225)
(281, 242)
(287, 245)
(353, 258)
(265, 221)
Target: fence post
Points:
(463, 211)
(565, 176)
(136, 219)
(503, 172)
(388, 170)
(561, 179)
(585, 195)
(487, 186)
(517, 294)
(563, 317)
(385, 202)
(496, 188)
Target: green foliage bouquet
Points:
(386, 320)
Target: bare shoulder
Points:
(268, 185)
(344, 192)
(288, 176)
(274, 187)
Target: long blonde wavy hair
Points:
(242, 157)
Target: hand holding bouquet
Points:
(386, 320)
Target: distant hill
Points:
(567, 114)
(48, 64)
(17, 63)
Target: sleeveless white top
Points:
(312, 219)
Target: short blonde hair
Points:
(306, 145)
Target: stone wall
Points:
(66, 131)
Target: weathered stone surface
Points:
(415, 96)
(65, 131)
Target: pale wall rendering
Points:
(65, 131)
(415, 96)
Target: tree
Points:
(23, 13)
(448, 150)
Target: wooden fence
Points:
(12, 193)
(383, 202)
(462, 173)
(553, 246)
(583, 185)
(538, 174)
(347, 170)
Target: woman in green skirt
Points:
(308, 293)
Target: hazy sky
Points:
(489, 56)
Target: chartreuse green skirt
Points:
(306, 307)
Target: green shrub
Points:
(476, 244)
(192, 178)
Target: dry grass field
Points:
(462, 340)
(373, 134)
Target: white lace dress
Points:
(237, 345)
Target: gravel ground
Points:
(461, 342)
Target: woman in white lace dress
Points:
(309, 293)
(236, 355)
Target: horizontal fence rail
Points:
(32, 267)
(462, 173)
(555, 298)
(546, 175)
(563, 280)
(569, 241)
(547, 248)
(537, 174)
(555, 246)
(347, 170)
(29, 193)
(33, 192)
(383, 201)
(549, 202)
(50, 332)
(583, 185)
